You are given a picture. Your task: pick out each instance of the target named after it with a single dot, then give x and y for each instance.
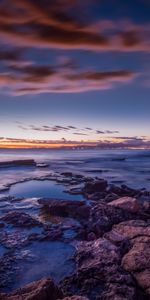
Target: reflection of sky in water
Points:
(36, 188)
(44, 259)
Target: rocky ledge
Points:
(112, 245)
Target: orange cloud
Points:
(39, 24)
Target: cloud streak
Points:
(59, 128)
(35, 79)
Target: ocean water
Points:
(131, 167)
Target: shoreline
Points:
(108, 225)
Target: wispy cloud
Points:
(36, 79)
(69, 128)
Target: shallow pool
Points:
(44, 259)
(37, 188)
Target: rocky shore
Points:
(111, 236)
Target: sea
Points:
(130, 167)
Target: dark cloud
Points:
(70, 128)
(79, 133)
(30, 78)
(57, 24)
(10, 55)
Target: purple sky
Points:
(75, 70)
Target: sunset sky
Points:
(75, 72)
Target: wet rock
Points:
(99, 273)
(137, 259)
(67, 174)
(75, 298)
(23, 162)
(104, 216)
(110, 197)
(66, 208)
(95, 186)
(123, 191)
(91, 236)
(127, 203)
(20, 219)
(137, 262)
(133, 229)
(44, 289)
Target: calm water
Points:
(43, 259)
(119, 166)
(36, 188)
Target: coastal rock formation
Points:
(137, 259)
(95, 186)
(99, 273)
(22, 162)
(104, 216)
(44, 289)
(66, 207)
(20, 219)
(127, 203)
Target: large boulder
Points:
(127, 203)
(137, 260)
(43, 289)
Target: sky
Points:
(75, 73)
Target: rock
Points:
(67, 174)
(22, 162)
(66, 208)
(20, 219)
(95, 186)
(133, 229)
(127, 203)
(75, 298)
(104, 216)
(99, 274)
(43, 289)
(137, 259)
(111, 197)
(137, 262)
(91, 236)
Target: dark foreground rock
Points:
(44, 289)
